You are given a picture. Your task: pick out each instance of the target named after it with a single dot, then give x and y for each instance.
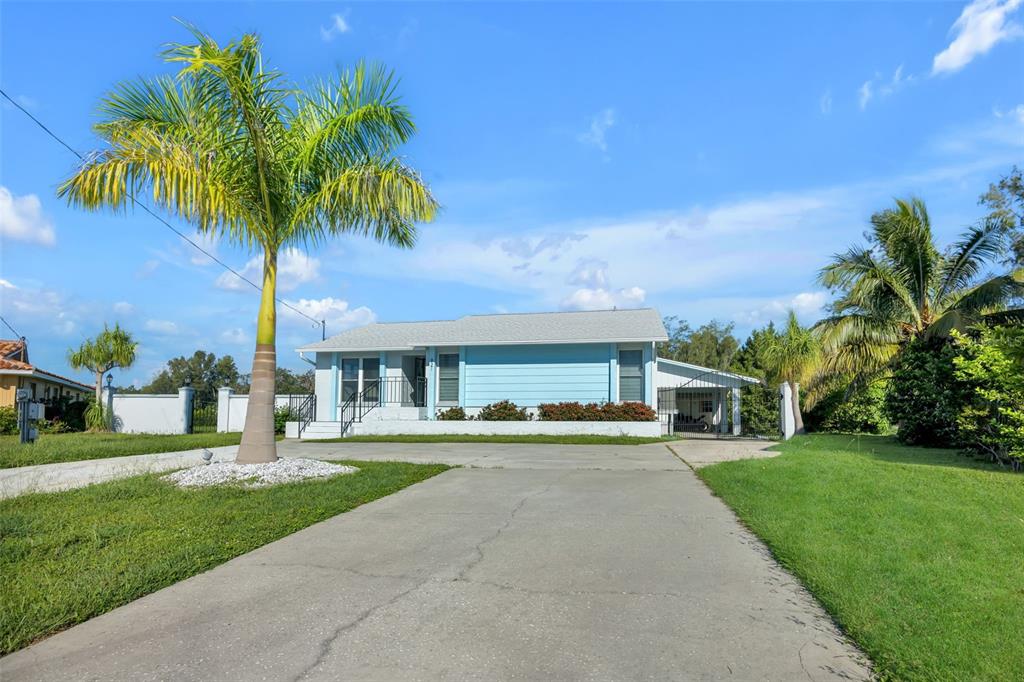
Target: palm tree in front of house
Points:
(110, 349)
(232, 148)
(900, 287)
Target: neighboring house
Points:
(412, 370)
(17, 372)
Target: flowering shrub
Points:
(593, 412)
(452, 414)
(503, 411)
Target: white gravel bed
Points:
(286, 470)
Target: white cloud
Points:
(293, 268)
(337, 27)
(864, 95)
(147, 269)
(123, 308)
(236, 336)
(825, 103)
(337, 312)
(165, 327)
(591, 275)
(882, 87)
(22, 219)
(807, 305)
(981, 26)
(208, 242)
(42, 308)
(24, 100)
(596, 132)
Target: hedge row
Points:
(506, 410)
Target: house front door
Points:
(419, 381)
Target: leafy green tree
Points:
(711, 345)
(289, 382)
(203, 371)
(233, 148)
(991, 421)
(759, 405)
(110, 349)
(900, 287)
(1005, 201)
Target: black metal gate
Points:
(718, 404)
(204, 417)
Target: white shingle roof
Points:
(594, 326)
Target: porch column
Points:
(613, 373)
(723, 422)
(736, 426)
(382, 373)
(462, 376)
(333, 401)
(431, 383)
(649, 374)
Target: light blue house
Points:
(411, 370)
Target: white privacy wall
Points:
(231, 409)
(139, 413)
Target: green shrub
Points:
(53, 426)
(861, 412)
(452, 414)
(282, 415)
(759, 411)
(991, 421)
(924, 396)
(503, 411)
(8, 420)
(628, 411)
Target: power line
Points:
(320, 323)
(8, 325)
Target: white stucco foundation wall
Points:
(394, 428)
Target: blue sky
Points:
(705, 159)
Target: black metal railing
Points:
(383, 392)
(303, 409)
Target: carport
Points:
(699, 401)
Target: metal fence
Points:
(718, 405)
(204, 417)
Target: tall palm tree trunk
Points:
(258, 444)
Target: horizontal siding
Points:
(530, 375)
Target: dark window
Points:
(371, 375)
(349, 378)
(631, 375)
(448, 378)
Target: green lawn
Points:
(918, 554)
(69, 556)
(71, 447)
(526, 438)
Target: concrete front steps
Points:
(322, 431)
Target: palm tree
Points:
(232, 148)
(112, 348)
(900, 287)
(794, 356)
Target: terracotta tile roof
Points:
(14, 347)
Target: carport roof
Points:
(592, 326)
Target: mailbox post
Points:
(29, 413)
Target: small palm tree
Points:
(234, 149)
(111, 349)
(901, 287)
(794, 356)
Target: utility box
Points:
(36, 411)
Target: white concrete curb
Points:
(43, 478)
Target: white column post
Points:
(186, 394)
(736, 425)
(723, 420)
(787, 421)
(224, 409)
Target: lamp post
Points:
(110, 402)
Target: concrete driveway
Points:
(586, 564)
